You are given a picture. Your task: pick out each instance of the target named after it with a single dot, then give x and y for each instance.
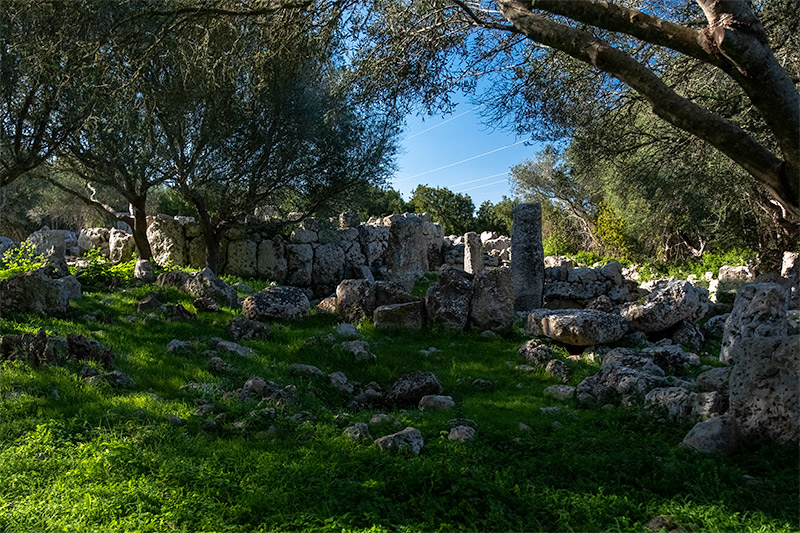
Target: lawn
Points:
(77, 456)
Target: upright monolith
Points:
(473, 253)
(527, 257)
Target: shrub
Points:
(20, 259)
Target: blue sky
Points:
(431, 143)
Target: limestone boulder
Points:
(623, 372)
(676, 301)
(272, 263)
(492, 300)
(405, 316)
(143, 270)
(689, 334)
(448, 300)
(328, 269)
(681, 404)
(765, 387)
(206, 284)
(732, 277)
(167, 241)
(672, 359)
(242, 258)
(716, 435)
(355, 300)
(49, 243)
(241, 328)
(790, 270)
(578, 327)
(33, 292)
(276, 303)
(93, 238)
(300, 263)
(409, 439)
(407, 254)
(121, 246)
(760, 310)
(409, 389)
(173, 278)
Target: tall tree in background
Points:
(454, 211)
(554, 64)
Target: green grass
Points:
(92, 458)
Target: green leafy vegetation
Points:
(81, 457)
(20, 259)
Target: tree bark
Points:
(139, 227)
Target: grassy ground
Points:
(79, 457)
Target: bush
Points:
(102, 272)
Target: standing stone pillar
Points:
(527, 257)
(473, 253)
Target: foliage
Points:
(496, 217)
(20, 259)
(378, 201)
(609, 228)
(454, 211)
(88, 457)
(100, 272)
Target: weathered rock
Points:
(272, 263)
(348, 331)
(358, 432)
(340, 382)
(121, 246)
(143, 270)
(177, 346)
(359, 350)
(790, 269)
(536, 352)
(276, 303)
(436, 402)
(167, 241)
(71, 287)
(328, 267)
(119, 380)
(93, 238)
(306, 371)
(681, 404)
(558, 369)
(242, 258)
(49, 243)
(462, 434)
(409, 389)
(765, 387)
(406, 316)
(579, 327)
(716, 379)
(173, 278)
(715, 326)
(299, 263)
(206, 284)
(233, 348)
(217, 364)
(715, 435)
(407, 257)
(688, 334)
(241, 328)
(760, 310)
(448, 300)
(327, 306)
(148, 303)
(492, 304)
(666, 307)
(473, 253)
(33, 292)
(732, 277)
(355, 300)
(82, 349)
(408, 439)
(178, 312)
(527, 265)
(560, 392)
(672, 359)
(623, 372)
(206, 305)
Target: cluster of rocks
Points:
(43, 291)
(566, 287)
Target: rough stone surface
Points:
(765, 387)
(234, 348)
(71, 286)
(716, 379)
(473, 253)
(348, 331)
(408, 439)
(173, 278)
(406, 316)
(492, 300)
(436, 402)
(355, 300)
(623, 372)
(558, 369)
(681, 404)
(688, 334)
(359, 350)
(407, 257)
(579, 327)
(536, 352)
(715, 435)
(409, 389)
(666, 307)
(167, 240)
(448, 301)
(33, 292)
(242, 259)
(49, 243)
(328, 267)
(790, 269)
(462, 434)
(527, 264)
(672, 359)
(560, 392)
(306, 371)
(93, 238)
(339, 381)
(143, 270)
(299, 262)
(358, 432)
(241, 328)
(121, 246)
(206, 284)
(760, 310)
(276, 303)
(272, 263)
